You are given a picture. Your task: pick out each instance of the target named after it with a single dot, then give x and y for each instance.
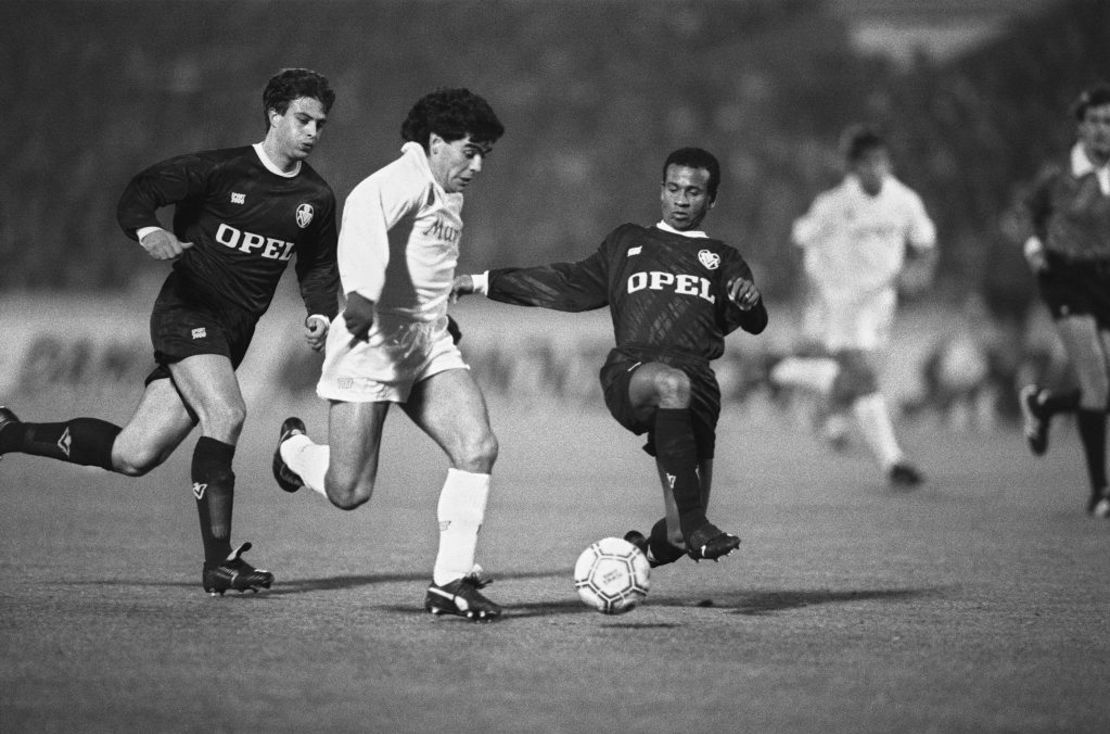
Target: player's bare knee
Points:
(347, 495)
(477, 453)
(136, 462)
(223, 421)
(673, 388)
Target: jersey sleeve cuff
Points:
(481, 282)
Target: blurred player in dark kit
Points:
(1068, 209)
(241, 215)
(673, 294)
(398, 247)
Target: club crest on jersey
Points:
(710, 260)
(304, 215)
(237, 198)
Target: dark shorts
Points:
(182, 325)
(1076, 288)
(705, 397)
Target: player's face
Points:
(871, 169)
(685, 197)
(455, 164)
(1094, 133)
(296, 132)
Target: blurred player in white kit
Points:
(398, 247)
(857, 239)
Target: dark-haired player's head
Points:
(1092, 114)
(290, 84)
(690, 180)
(868, 157)
(296, 103)
(457, 130)
(696, 158)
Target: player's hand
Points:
(359, 315)
(743, 293)
(164, 245)
(463, 285)
(316, 332)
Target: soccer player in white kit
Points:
(398, 247)
(856, 238)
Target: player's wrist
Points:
(317, 317)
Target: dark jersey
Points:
(1069, 213)
(667, 293)
(245, 223)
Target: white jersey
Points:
(399, 239)
(855, 242)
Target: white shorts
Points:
(854, 320)
(397, 355)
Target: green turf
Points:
(977, 604)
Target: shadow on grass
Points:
(767, 602)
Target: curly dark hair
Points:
(452, 114)
(696, 158)
(1094, 96)
(290, 84)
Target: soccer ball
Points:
(612, 576)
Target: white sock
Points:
(309, 460)
(461, 511)
(877, 429)
(813, 373)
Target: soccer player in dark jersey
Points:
(241, 215)
(673, 293)
(1068, 210)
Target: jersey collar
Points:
(269, 164)
(1081, 165)
(693, 234)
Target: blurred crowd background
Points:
(973, 96)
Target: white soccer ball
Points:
(612, 576)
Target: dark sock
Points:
(84, 441)
(214, 489)
(1061, 402)
(677, 452)
(662, 550)
(1092, 433)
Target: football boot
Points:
(462, 598)
(236, 574)
(1034, 422)
(710, 542)
(7, 419)
(286, 478)
(904, 475)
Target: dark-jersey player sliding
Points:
(673, 294)
(241, 215)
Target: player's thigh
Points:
(1084, 345)
(158, 426)
(450, 408)
(355, 439)
(208, 384)
(657, 385)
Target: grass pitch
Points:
(976, 604)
